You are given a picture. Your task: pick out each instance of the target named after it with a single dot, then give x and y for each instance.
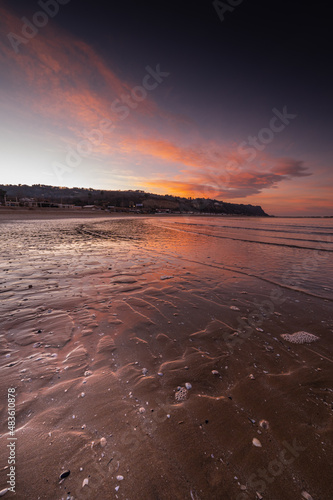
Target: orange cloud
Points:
(170, 152)
(63, 80)
(209, 169)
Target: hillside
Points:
(147, 202)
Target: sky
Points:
(225, 100)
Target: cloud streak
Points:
(205, 170)
(65, 81)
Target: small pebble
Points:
(256, 443)
(120, 478)
(85, 482)
(215, 372)
(82, 394)
(103, 442)
(117, 488)
(144, 371)
(188, 386)
(160, 374)
(3, 492)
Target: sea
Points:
(295, 253)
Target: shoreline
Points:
(13, 214)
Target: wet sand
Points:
(21, 213)
(98, 333)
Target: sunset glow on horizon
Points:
(84, 105)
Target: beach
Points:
(146, 359)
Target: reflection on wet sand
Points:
(144, 353)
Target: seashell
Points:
(264, 424)
(85, 482)
(65, 474)
(181, 394)
(256, 442)
(215, 372)
(3, 492)
(306, 495)
(234, 308)
(142, 409)
(300, 337)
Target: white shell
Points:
(306, 495)
(300, 337)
